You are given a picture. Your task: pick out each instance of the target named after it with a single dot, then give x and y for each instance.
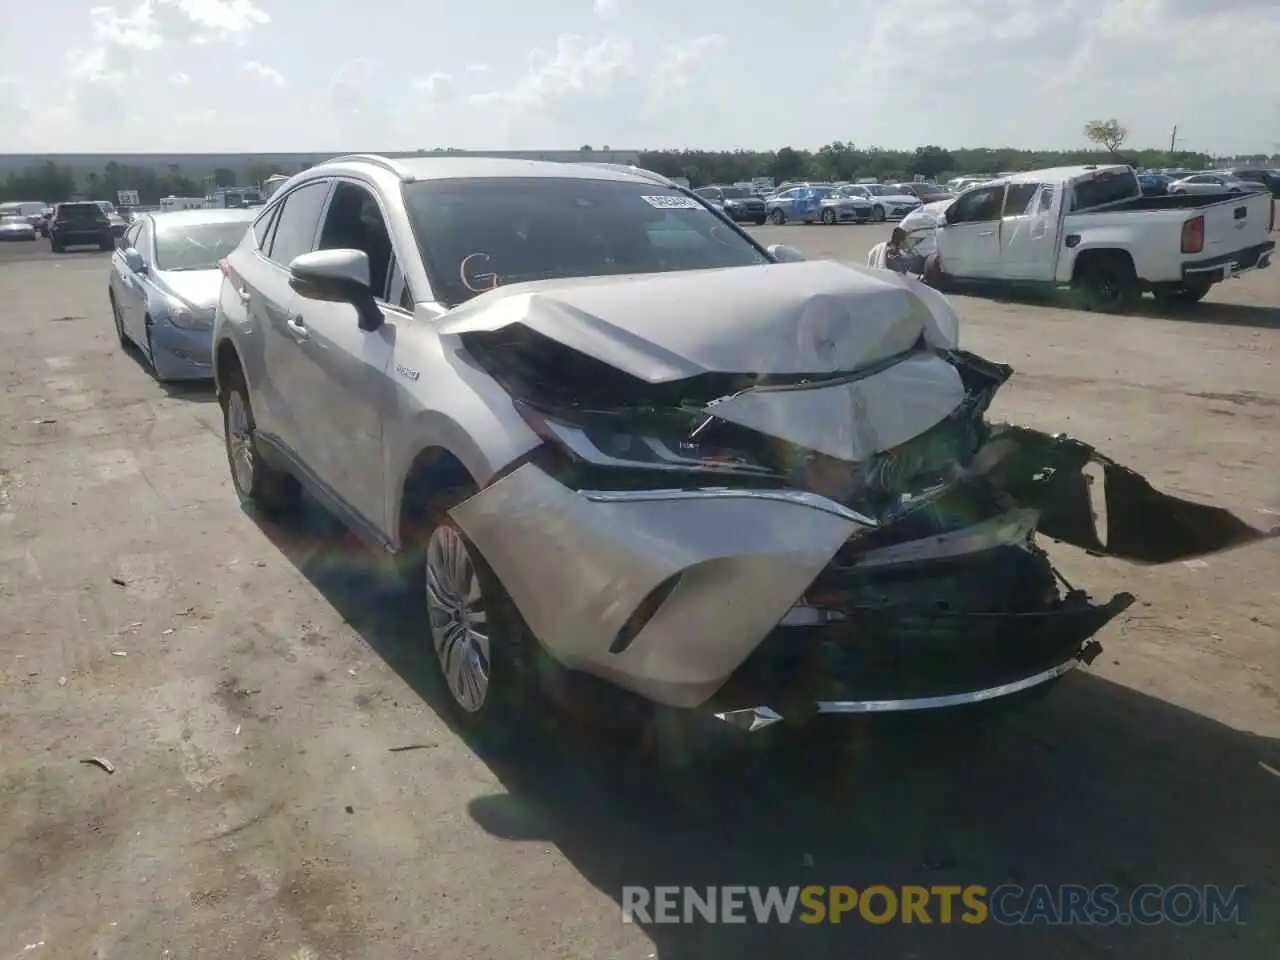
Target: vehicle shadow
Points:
(1221, 314)
(1097, 784)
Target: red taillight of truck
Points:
(1193, 235)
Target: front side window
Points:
(354, 222)
(197, 246)
(297, 222)
(475, 235)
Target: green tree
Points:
(224, 177)
(931, 162)
(259, 170)
(1108, 134)
(47, 182)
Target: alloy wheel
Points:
(240, 442)
(458, 618)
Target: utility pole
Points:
(1173, 138)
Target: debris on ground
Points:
(102, 762)
(119, 653)
(410, 746)
(118, 582)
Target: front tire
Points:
(258, 485)
(878, 213)
(829, 217)
(777, 217)
(115, 317)
(483, 651)
(760, 221)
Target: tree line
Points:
(845, 161)
(54, 184)
(835, 161)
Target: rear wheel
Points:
(1108, 285)
(483, 650)
(257, 483)
(777, 217)
(56, 247)
(760, 221)
(877, 213)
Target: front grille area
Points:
(925, 630)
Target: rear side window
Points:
(1105, 187)
(262, 227)
(298, 220)
(1018, 197)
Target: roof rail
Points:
(629, 168)
(377, 160)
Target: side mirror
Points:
(133, 260)
(784, 253)
(337, 276)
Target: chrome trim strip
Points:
(950, 700)
(1014, 526)
(800, 498)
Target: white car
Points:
(1202, 183)
(16, 228)
(921, 223)
(886, 202)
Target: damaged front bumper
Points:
(758, 604)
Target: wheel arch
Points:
(226, 361)
(1090, 257)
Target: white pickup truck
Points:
(1091, 227)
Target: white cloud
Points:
(270, 74)
(181, 79)
(438, 88)
(682, 62)
(951, 72)
(219, 19)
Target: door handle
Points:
(987, 233)
(243, 294)
(297, 327)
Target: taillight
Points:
(1193, 235)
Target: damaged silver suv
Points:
(621, 447)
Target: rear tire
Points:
(258, 485)
(482, 652)
(878, 214)
(56, 247)
(760, 221)
(777, 218)
(1108, 285)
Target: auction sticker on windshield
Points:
(673, 203)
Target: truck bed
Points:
(1177, 201)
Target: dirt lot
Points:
(249, 686)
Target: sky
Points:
(78, 76)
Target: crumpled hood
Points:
(816, 318)
(200, 288)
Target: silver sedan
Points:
(164, 285)
(16, 228)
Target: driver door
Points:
(1029, 231)
(969, 238)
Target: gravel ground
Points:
(250, 685)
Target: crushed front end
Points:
(761, 548)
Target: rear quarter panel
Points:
(1152, 238)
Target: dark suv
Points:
(1269, 178)
(80, 224)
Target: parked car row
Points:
(623, 534)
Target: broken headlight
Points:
(608, 447)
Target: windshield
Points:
(735, 193)
(11, 219)
(880, 190)
(197, 246)
(475, 235)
